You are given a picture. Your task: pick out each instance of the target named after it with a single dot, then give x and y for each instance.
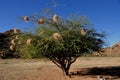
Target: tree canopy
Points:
(64, 40)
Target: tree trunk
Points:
(66, 71)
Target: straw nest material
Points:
(57, 36)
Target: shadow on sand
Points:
(95, 71)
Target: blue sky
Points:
(104, 14)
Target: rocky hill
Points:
(112, 51)
(5, 39)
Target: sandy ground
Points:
(85, 68)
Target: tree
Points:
(63, 41)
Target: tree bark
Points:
(65, 70)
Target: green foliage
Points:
(69, 43)
(63, 41)
(29, 51)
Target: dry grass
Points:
(85, 68)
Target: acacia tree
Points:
(63, 41)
